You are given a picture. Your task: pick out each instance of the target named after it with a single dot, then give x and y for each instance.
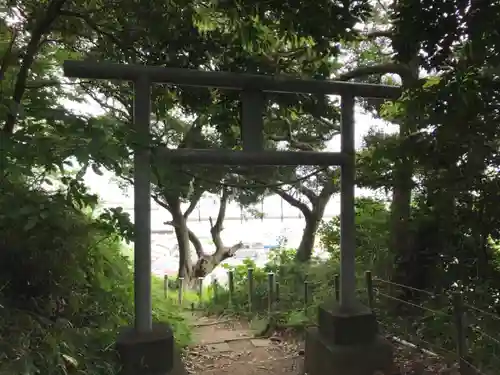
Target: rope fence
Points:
(443, 332)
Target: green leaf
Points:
(30, 224)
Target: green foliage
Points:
(291, 276)
(165, 310)
(372, 236)
(65, 287)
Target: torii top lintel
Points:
(225, 80)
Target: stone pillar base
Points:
(150, 353)
(322, 358)
(347, 343)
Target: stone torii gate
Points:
(346, 341)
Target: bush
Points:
(292, 277)
(65, 287)
(372, 236)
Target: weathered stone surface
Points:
(150, 353)
(260, 343)
(219, 347)
(339, 327)
(323, 358)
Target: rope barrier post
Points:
(462, 351)
(200, 291)
(281, 204)
(262, 210)
(270, 293)
(277, 292)
(250, 289)
(215, 288)
(336, 287)
(230, 276)
(369, 288)
(181, 289)
(165, 286)
(306, 295)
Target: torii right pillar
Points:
(347, 340)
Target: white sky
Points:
(112, 195)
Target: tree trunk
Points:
(306, 246)
(401, 238)
(185, 237)
(205, 265)
(313, 219)
(182, 233)
(312, 216)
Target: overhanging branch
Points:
(192, 203)
(287, 197)
(293, 143)
(379, 34)
(41, 27)
(216, 228)
(311, 195)
(386, 68)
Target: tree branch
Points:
(216, 229)
(42, 26)
(50, 83)
(329, 188)
(293, 143)
(311, 195)
(111, 108)
(293, 201)
(193, 238)
(198, 247)
(160, 202)
(192, 204)
(379, 34)
(386, 68)
(94, 26)
(8, 55)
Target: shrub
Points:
(292, 278)
(65, 287)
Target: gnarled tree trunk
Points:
(205, 263)
(312, 215)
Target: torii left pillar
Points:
(147, 348)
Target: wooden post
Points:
(250, 289)
(306, 294)
(231, 287)
(215, 286)
(200, 291)
(277, 292)
(462, 351)
(181, 289)
(165, 286)
(369, 288)
(270, 292)
(336, 286)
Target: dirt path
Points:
(227, 346)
